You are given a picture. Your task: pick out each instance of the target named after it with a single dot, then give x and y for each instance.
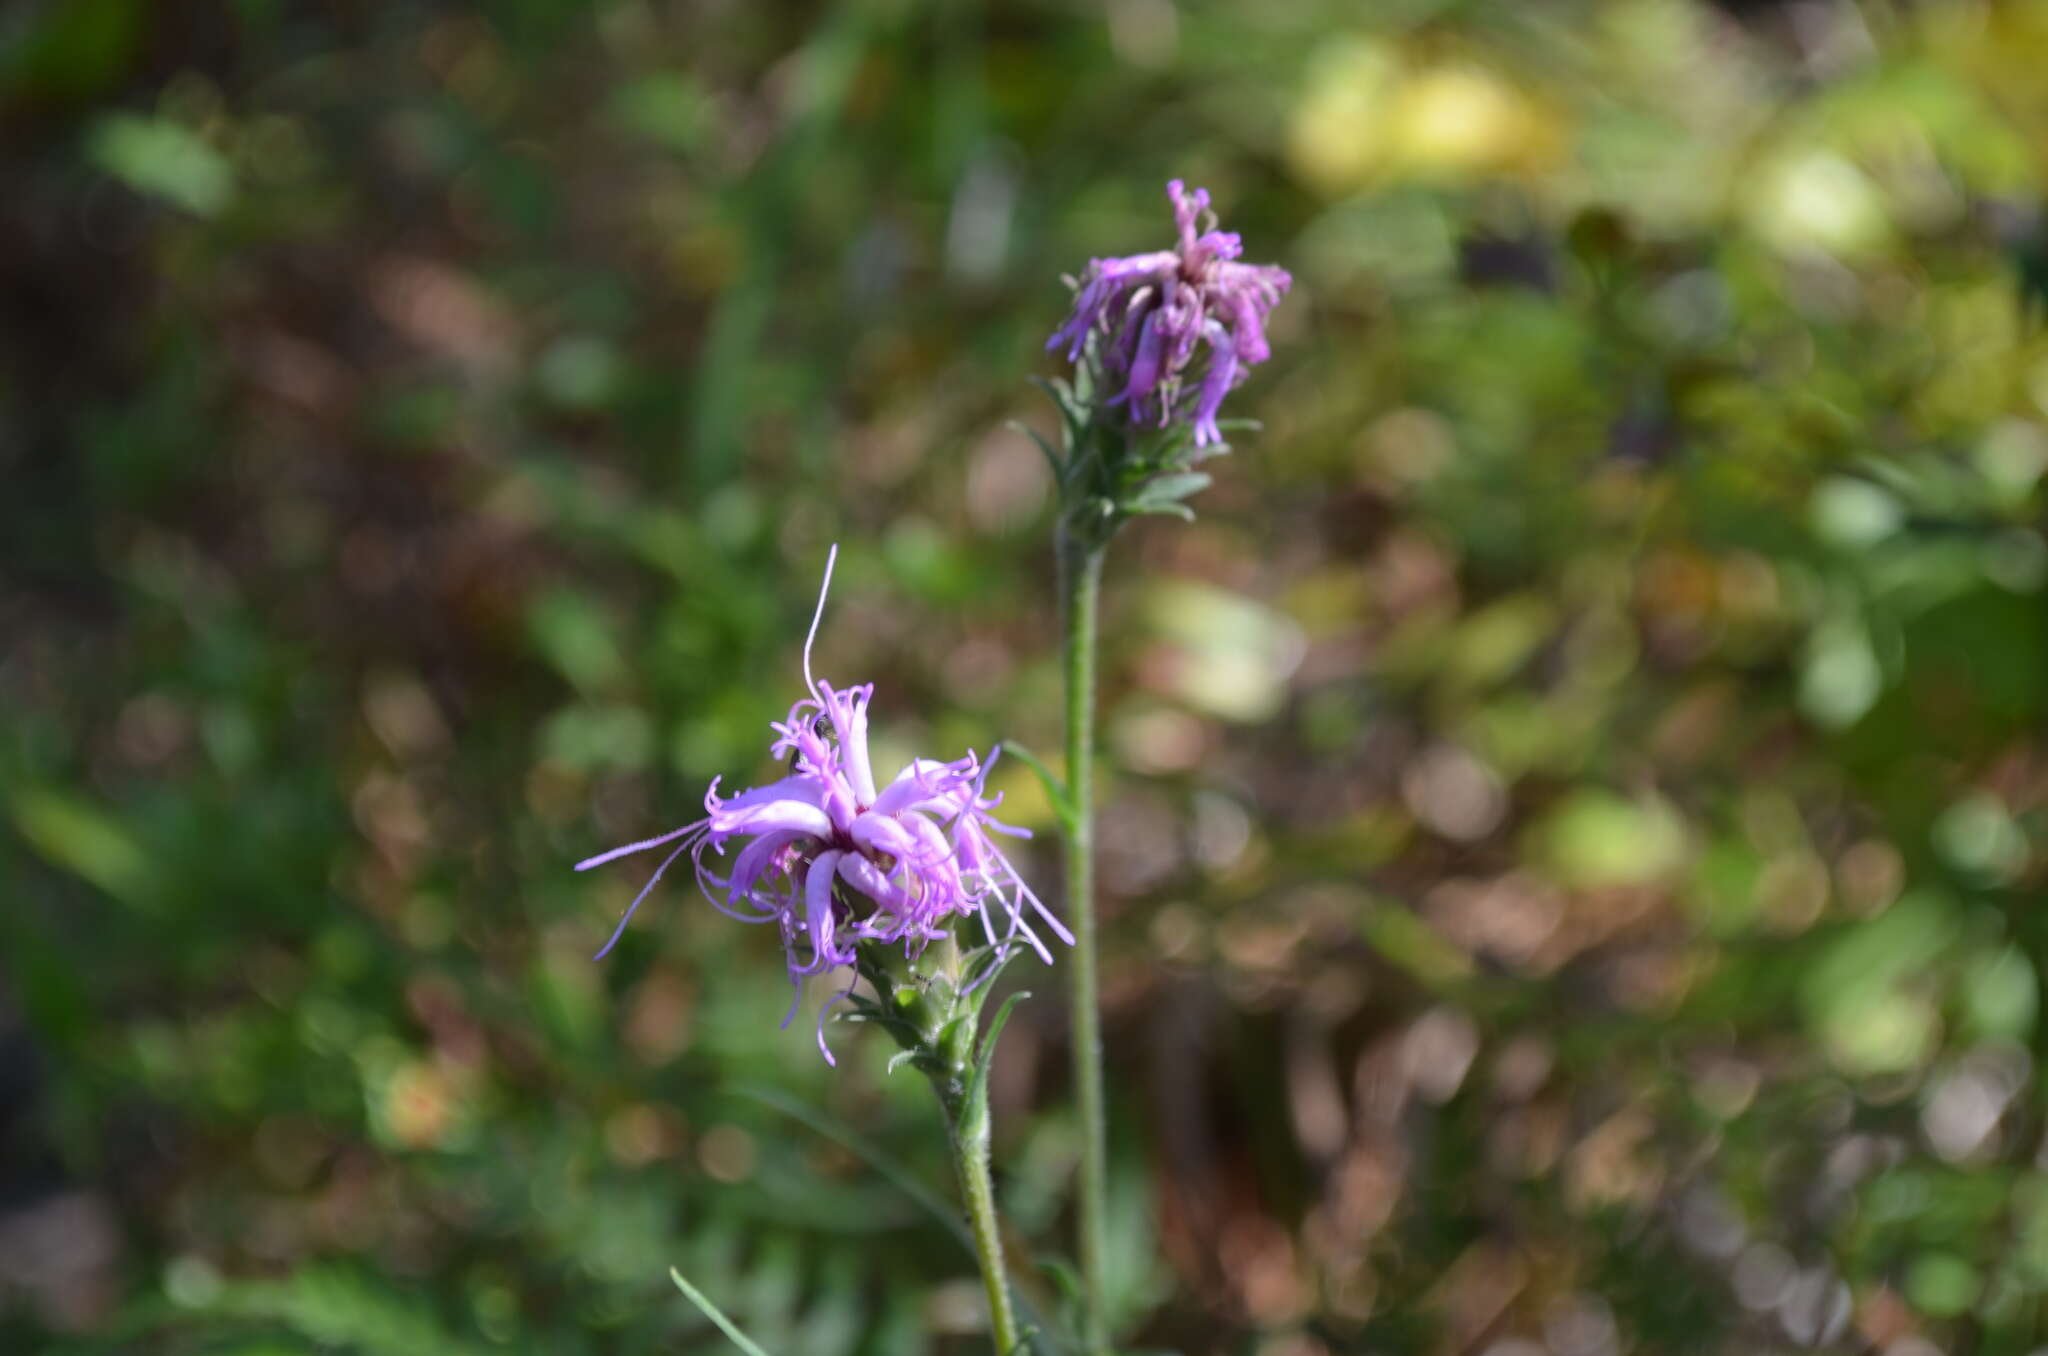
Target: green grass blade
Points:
(711, 1311)
(882, 1162)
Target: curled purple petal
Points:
(818, 907)
(1216, 384)
(1152, 311)
(1144, 373)
(775, 816)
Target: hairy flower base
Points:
(833, 861)
(1152, 312)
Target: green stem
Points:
(1080, 590)
(967, 1124)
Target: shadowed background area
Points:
(1574, 855)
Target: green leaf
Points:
(163, 159)
(977, 1082)
(1066, 1280)
(1404, 940)
(1170, 489)
(570, 629)
(980, 967)
(1073, 412)
(953, 1038)
(902, 1031)
(1180, 511)
(1084, 373)
(1055, 789)
(71, 51)
(725, 1325)
(76, 835)
(918, 1060)
(1052, 457)
(1164, 449)
(891, 1169)
(670, 110)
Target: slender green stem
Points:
(967, 1122)
(1080, 589)
(962, 1089)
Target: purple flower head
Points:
(834, 861)
(1154, 312)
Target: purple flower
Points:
(1154, 311)
(834, 861)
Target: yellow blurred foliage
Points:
(1367, 113)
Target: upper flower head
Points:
(1155, 311)
(833, 860)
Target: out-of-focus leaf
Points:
(1234, 654)
(85, 841)
(1862, 994)
(75, 49)
(1597, 838)
(572, 632)
(2002, 995)
(668, 109)
(340, 1308)
(1407, 942)
(165, 160)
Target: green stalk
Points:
(967, 1124)
(959, 1077)
(1080, 563)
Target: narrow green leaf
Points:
(890, 1169)
(1065, 1279)
(980, 967)
(903, 1031)
(953, 1039)
(1180, 511)
(1170, 489)
(977, 1082)
(1073, 412)
(1171, 446)
(725, 1325)
(73, 833)
(1055, 789)
(1087, 369)
(1052, 457)
(884, 983)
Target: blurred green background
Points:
(1575, 859)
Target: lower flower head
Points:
(835, 861)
